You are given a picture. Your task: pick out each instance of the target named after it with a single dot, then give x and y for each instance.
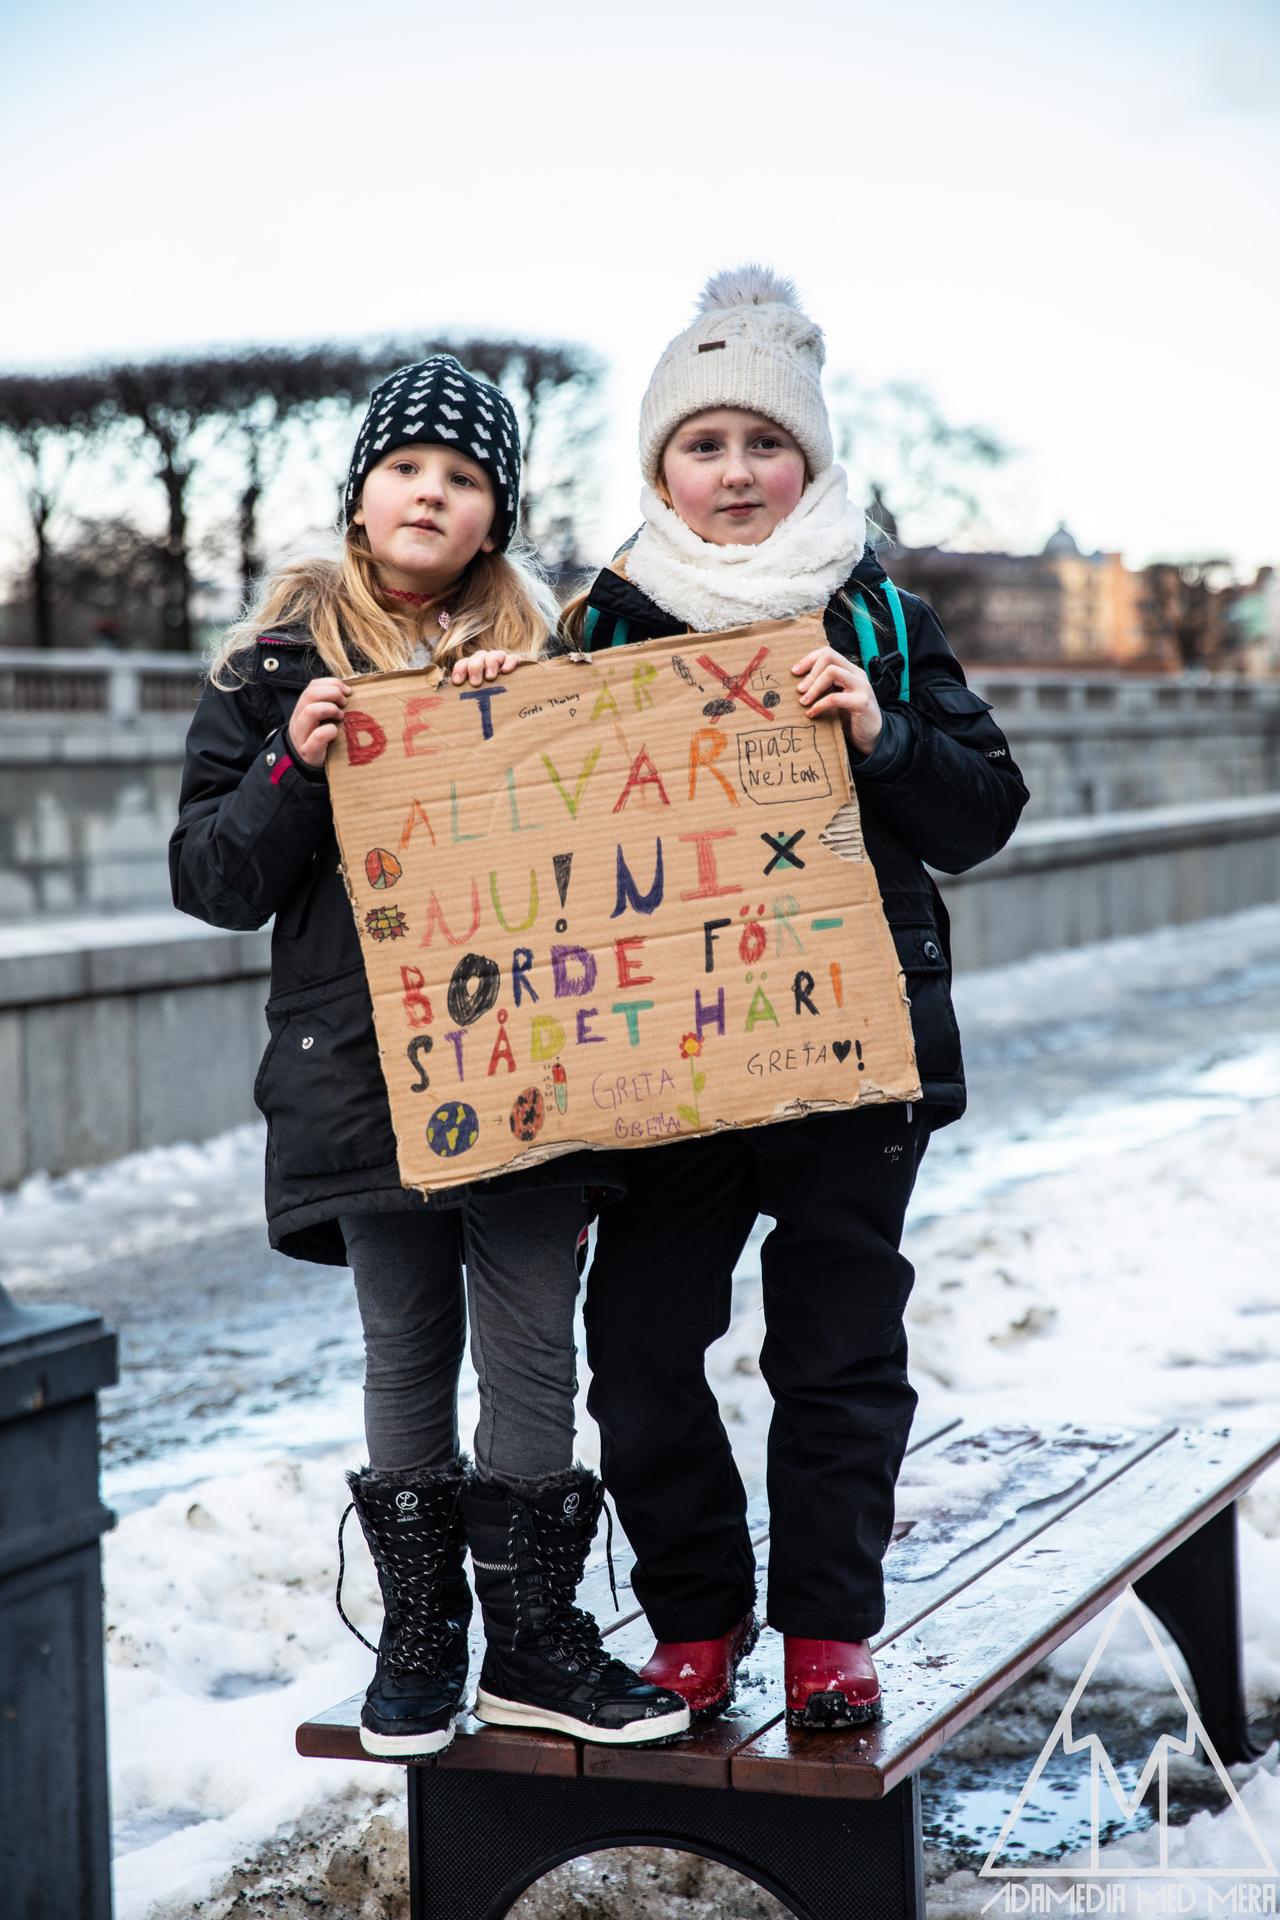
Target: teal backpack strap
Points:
(617, 632)
(868, 645)
(894, 598)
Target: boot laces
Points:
(411, 1592)
(571, 1630)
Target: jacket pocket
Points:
(951, 697)
(963, 714)
(933, 1020)
(320, 1084)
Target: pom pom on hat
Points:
(752, 346)
(748, 286)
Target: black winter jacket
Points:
(940, 786)
(255, 837)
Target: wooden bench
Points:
(977, 1594)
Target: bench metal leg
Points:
(477, 1840)
(1195, 1594)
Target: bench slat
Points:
(945, 1669)
(703, 1757)
(1031, 1475)
(594, 1592)
(335, 1735)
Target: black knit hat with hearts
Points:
(438, 403)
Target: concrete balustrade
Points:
(124, 1033)
(146, 1029)
(1065, 883)
(91, 757)
(123, 685)
(133, 684)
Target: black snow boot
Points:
(413, 1524)
(544, 1665)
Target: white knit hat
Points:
(751, 346)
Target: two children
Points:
(426, 573)
(746, 517)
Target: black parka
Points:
(255, 837)
(942, 788)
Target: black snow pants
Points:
(834, 1358)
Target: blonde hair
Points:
(574, 618)
(502, 600)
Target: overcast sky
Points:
(1064, 225)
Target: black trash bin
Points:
(55, 1856)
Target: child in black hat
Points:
(427, 573)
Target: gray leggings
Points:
(521, 1286)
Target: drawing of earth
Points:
(452, 1129)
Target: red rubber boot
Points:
(830, 1683)
(703, 1672)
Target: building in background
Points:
(1063, 609)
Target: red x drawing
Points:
(736, 683)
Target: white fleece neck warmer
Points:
(806, 557)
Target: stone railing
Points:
(105, 682)
(91, 749)
(1020, 696)
(147, 1028)
(120, 685)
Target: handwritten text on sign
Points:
(613, 902)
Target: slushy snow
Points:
(1121, 1273)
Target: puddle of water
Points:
(965, 1808)
(967, 1795)
(128, 1836)
(238, 1686)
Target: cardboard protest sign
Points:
(611, 901)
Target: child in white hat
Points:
(746, 517)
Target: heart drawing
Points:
(842, 1049)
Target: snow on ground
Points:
(1112, 1263)
(55, 1228)
(1168, 1248)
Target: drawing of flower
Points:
(690, 1047)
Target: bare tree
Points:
(110, 582)
(910, 453)
(1183, 606)
(164, 404)
(267, 392)
(177, 415)
(48, 421)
